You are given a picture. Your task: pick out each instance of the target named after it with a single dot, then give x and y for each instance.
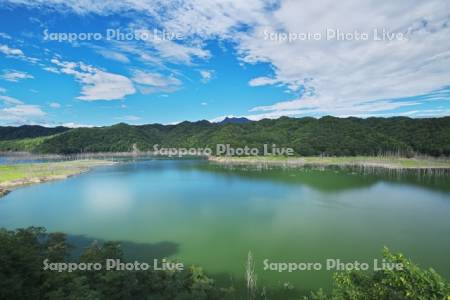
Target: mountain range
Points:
(307, 136)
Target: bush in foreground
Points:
(411, 283)
(23, 251)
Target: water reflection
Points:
(332, 179)
(143, 252)
(215, 216)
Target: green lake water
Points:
(212, 216)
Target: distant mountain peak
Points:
(234, 120)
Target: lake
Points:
(201, 213)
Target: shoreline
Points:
(18, 175)
(389, 163)
(13, 176)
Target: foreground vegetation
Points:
(21, 174)
(22, 276)
(22, 253)
(411, 283)
(327, 136)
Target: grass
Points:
(389, 162)
(20, 174)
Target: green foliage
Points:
(23, 251)
(28, 131)
(24, 145)
(410, 283)
(307, 136)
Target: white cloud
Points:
(179, 52)
(129, 118)
(152, 50)
(100, 85)
(10, 100)
(51, 70)
(161, 51)
(75, 125)
(155, 82)
(338, 76)
(5, 35)
(426, 113)
(16, 53)
(344, 75)
(154, 79)
(55, 105)
(25, 110)
(88, 6)
(206, 75)
(262, 81)
(20, 114)
(114, 55)
(15, 76)
(10, 51)
(96, 84)
(214, 18)
(2, 90)
(67, 124)
(190, 17)
(16, 112)
(313, 106)
(204, 103)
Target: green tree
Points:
(410, 283)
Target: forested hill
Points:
(307, 136)
(28, 131)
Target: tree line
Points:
(308, 136)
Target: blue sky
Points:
(211, 59)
